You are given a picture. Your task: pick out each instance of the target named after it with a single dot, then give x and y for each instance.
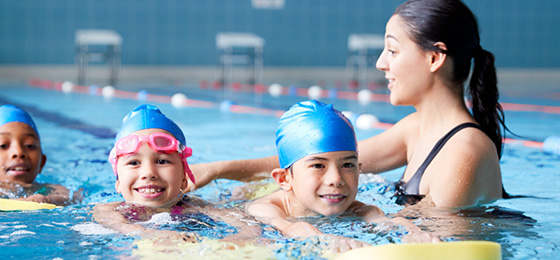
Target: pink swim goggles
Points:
(159, 142)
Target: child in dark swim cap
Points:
(318, 175)
(22, 159)
(150, 161)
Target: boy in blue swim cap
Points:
(149, 160)
(22, 159)
(318, 175)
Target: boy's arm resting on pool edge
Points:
(241, 170)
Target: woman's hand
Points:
(203, 173)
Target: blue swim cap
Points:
(11, 113)
(146, 117)
(312, 127)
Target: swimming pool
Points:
(77, 132)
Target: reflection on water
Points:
(490, 223)
(527, 228)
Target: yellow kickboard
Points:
(205, 250)
(13, 205)
(458, 250)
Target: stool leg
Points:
(81, 62)
(223, 71)
(115, 62)
(362, 67)
(258, 67)
(352, 70)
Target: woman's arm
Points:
(241, 170)
(388, 150)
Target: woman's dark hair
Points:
(452, 23)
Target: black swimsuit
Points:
(409, 192)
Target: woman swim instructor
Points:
(451, 154)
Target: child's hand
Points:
(419, 236)
(167, 237)
(301, 229)
(339, 244)
(39, 198)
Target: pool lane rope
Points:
(361, 121)
(363, 96)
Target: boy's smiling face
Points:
(21, 158)
(326, 183)
(148, 177)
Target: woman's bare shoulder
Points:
(468, 170)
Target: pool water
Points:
(77, 133)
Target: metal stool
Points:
(240, 48)
(363, 50)
(98, 46)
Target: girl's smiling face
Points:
(21, 158)
(148, 177)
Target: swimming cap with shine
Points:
(11, 113)
(147, 117)
(312, 127)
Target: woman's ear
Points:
(281, 177)
(437, 59)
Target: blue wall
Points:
(522, 34)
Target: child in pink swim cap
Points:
(149, 159)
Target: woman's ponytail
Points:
(484, 94)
